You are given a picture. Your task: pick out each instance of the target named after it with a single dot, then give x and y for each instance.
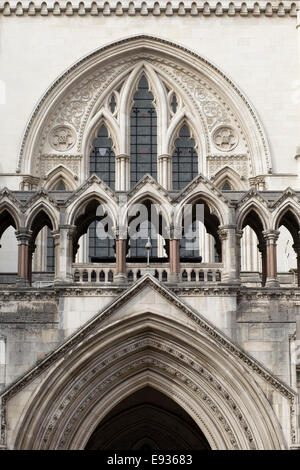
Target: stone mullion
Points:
(227, 234)
(64, 249)
(164, 171)
(271, 237)
(122, 182)
(23, 238)
(238, 238)
(262, 249)
(296, 247)
(174, 254)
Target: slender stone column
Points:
(121, 248)
(23, 239)
(165, 171)
(227, 234)
(63, 251)
(174, 253)
(263, 251)
(271, 237)
(122, 172)
(238, 236)
(296, 247)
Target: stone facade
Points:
(219, 337)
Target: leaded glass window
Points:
(143, 134)
(102, 158)
(184, 159)
(138, 245)
(99, 247)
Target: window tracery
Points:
(143, 134)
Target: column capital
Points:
(165, 156)
(122, 155)
(175, 232)
(239, 234)
(120, 233)
(223, 231)
(23, 236)
(271, 236)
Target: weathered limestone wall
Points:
(30, 328)
(34, 324)
(265, 325)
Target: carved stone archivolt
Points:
(67, 114)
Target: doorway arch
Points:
(147, 420)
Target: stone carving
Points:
(246, 8)
(225, 138)
(49, 161)
(238, 162)
(62, 138)
(213, 111)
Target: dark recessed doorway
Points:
(147, 420)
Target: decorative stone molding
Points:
(195, 76)
(207, 328)
(50, 161)
(258, 182)
(225, 138)
(238, 162)
(229, 8)
(148, 179)
(29, 182)
(62, 138)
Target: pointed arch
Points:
(258, 209)
(229, 175)
(185, 158)
(106, 119)
(93, 75)
(41, 207)
(132, 349)
(61, 173)
(9, 216)
(287, 214)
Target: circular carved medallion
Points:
(225, 138)
(62, 138)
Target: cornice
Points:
(150, 8)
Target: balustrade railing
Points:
(105, 272)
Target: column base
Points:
(120, 278)
(22, 283)
(174, 277)
(272, 282)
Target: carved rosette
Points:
(62, 138)
(225, 138)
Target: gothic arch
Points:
(12, 212)
(102, 117)
(61, 173)
(289, 206)
(79, 206)
(66, 107)
(35, 210)
(108, 367)
(259, 209)
(229, 175)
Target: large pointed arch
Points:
(131, 345)
(72, 97)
